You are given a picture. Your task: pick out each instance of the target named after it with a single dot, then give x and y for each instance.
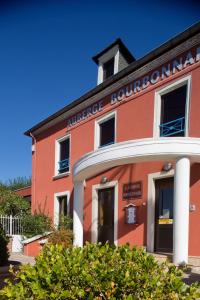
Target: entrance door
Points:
(106, 215)
(164, 215)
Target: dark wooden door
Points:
(164, 215)
(106, 215)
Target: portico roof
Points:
(134, 151)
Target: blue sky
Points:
(45, 57)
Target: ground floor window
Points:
(61, 207)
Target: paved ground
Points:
(22, 259)
(192, 275)
(15, 259)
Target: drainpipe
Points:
(34, 171)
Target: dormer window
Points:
(108, 69)
(112, 59)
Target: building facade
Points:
(123, 159)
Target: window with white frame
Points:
(61, 206)
(62, 162)
(105, 130)
(172, 105)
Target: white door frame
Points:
(94, 229)
(151, 206)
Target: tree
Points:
(17, 183)
(11, 203)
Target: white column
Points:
(78, 213)
(181, 211)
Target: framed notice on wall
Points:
(132, 190)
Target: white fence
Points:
(11, 225)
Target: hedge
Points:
(97, 272)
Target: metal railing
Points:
(63, 165)
(108, 144)
(173, 127)
(11, 225)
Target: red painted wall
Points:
(135, 118)
(33, 248)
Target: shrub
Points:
(98, 272)
(35, 224)
(65, 222)
(11, 203)
(63, 237)
(3, 247)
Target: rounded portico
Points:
(180, 150)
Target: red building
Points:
(124, 157)
(24, 192)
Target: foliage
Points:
(11, 203)
(3, 247)
(17, 183)
(35, 224)
(65, 222)
(62, 237)
(97, 272)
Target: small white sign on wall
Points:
(131, 215)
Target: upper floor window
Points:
(105, 130)
(62, 155)
(172, 105)
(108, 69)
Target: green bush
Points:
(35, 224)
(3, 247)
(11, 203)
(65, 222)
(98, 272)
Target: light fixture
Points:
(104, 179)
(167, 166)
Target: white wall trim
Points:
(151, 206)
(56, 205)
(95, 188)
(57, 151)
(101, 120)
(116, 62)
(157, 103)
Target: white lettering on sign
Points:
(86, 113)
(176, 65)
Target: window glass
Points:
(107, 132)
(173, 112)
(64, 149)
(108, 69)
(62, 205)
(63, 163)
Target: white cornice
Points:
(133, 152)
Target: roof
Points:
(123, 49)
(24, 192)
(188, 33)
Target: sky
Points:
(46, 48)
